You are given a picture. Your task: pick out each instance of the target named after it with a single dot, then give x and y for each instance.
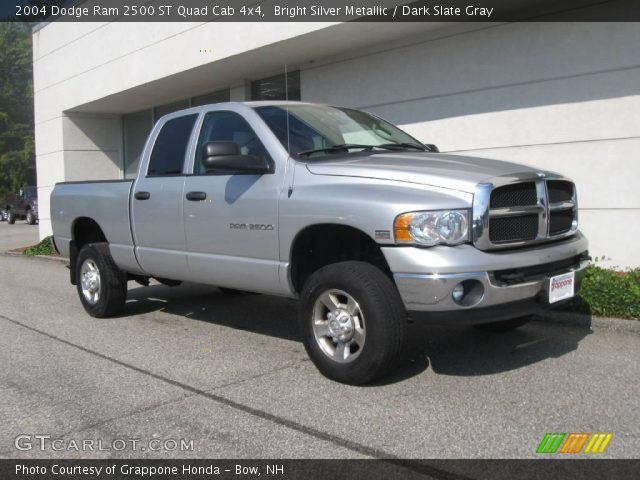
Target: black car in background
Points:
(24, 205)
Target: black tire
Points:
(112, 281)
(504, 325)
(11, 218)
(31, 218)
(384, 320)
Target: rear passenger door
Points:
(156, 201)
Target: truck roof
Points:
(251, 104)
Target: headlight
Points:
(450, 227)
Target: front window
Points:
(228, 127)
(313, 130)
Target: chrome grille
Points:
(521, 211)
(560, 191)
(516, 195)
(560, 222)
(513, 229)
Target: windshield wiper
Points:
(347, 146)
(335, 148)
(399, 146)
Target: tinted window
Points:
(228, 127)
(169, 151)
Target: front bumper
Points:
(426, 277)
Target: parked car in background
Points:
(23, 206)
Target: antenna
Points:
(286, 97)
(290, 159)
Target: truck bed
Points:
(107, 200)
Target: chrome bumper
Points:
(432, 292)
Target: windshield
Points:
(30, 192)
(316, 130)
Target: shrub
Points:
(610, 293)
(45, 247)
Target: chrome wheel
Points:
(338, 326)
(90, 281)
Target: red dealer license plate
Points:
(561, 287)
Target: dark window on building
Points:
(170, 148)
(169, 108)
(275, 88)
(213, 97)
(228, 127)
(136, 128)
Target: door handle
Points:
(142, 195)
(196, 196)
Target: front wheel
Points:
(101, 285)
(11, 218)
(31, 218)
(504, 325)
(353, 322)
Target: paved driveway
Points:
(230, 374)
(17, 235)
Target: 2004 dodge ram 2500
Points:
(358, 219)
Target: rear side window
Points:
(169, 151)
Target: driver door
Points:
(230, 218)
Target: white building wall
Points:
(558, 96)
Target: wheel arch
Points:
(84, 230)
(318, 245)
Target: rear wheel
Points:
(353, 322)
(11, 218)
(504, 325)
(101, 285)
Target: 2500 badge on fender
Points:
(250, 226)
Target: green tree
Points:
(17, 156)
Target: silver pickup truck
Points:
(363, 223)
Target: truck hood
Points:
(442, 170)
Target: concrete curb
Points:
(569, 318)
(36, 257)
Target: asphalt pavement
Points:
(229, 375)
(20, 234)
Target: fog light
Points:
(458, 293)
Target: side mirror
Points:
(225, 157)
(431, 147)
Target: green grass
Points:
(610, 293)
(45, 247)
